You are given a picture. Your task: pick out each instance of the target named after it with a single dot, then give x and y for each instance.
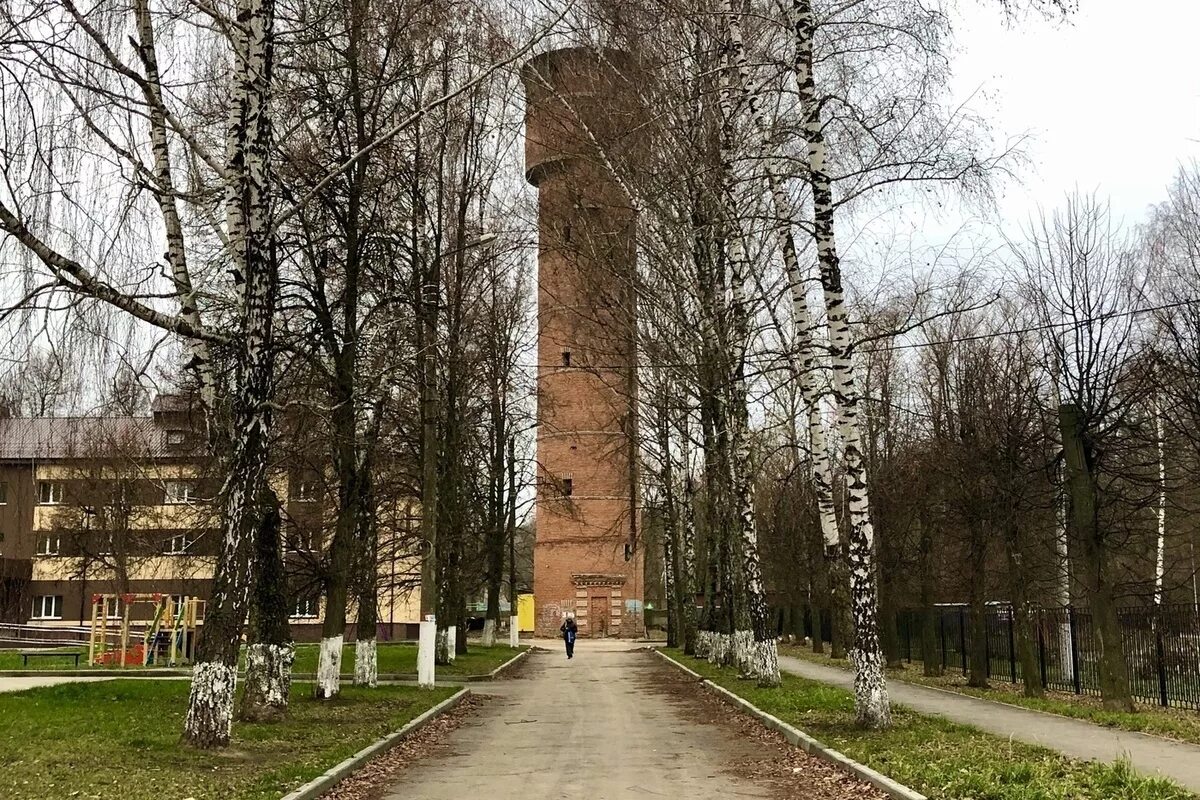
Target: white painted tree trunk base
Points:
(451, 643)
(366, 663)
(721, 650)
(871, 706)
(742, 645)
(703, 643)
(426, 654)
(209, 721)
(764, 659)
(489, 633)
(268, 680)
(329, 667)
(514, 632)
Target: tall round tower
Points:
(580, 120)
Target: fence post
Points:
(1160, 657)
(1012, 644)
(1041, 647)
(908, 617)
(942, 636)
(962, 637)
(1075, 677)
(987, 646)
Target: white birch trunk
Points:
(329, 667)
(870, 689)
(165, 193)
(762, 637)
(489, 633)
(210, 702)
(366, 662)
(1160, 550)
(514, 631)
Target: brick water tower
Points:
(580, 123)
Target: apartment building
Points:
(125, 504)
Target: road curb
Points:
(802, 740)
(336, 774)
(512, 662)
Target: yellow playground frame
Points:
(177, 619)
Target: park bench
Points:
(28, 654)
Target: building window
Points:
(306, 608)
(115, 609)
(305, 490)
(49, 545)
(568, 486)
(304, 541)
(178, 544)
(48, 606)
(107, 545)
(566, 357)
(176, 437)
(50, 493)
(3, 493)
(179, 492)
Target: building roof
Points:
(32, 438)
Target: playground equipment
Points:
(168, 637)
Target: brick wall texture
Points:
(586, 555)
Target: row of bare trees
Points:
(306, 203)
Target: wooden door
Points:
(598, 615)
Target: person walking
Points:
(569, 631)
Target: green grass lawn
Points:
(401, 657)
(394, 658)
(120, 739)
(1173, 723)
(941, 759)
(11, 659)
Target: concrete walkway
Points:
(588, 728)
(15, 684)
(1075, 738)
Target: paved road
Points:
(587, 728)
(1076, 738)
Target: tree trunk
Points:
(496, 531)
(1023, 631)
(870, 688)
(366, 651)
(685, 589)
(977, 675)
(209, 718)
(1084, 526)
(270, 652)
(931, 660)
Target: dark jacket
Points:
(569, 629)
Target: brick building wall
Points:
(586, 553)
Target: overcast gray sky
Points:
(1111, 97)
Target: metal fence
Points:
(1161, 646)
